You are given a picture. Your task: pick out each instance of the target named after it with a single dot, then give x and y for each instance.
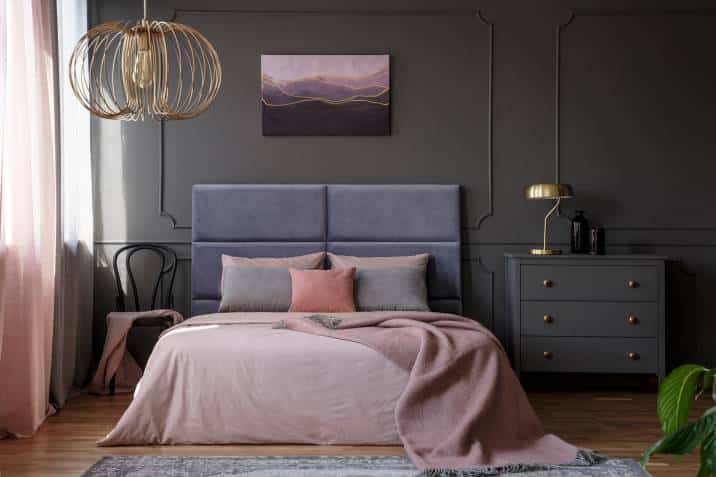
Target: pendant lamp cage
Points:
(157, 69)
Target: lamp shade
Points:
(158, 69)
(548, 191)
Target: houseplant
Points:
(677, 394)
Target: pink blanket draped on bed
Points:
(115, 361)
(272, 377)
(463, 405)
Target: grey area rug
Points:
(355, 466)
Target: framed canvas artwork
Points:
(325, 95)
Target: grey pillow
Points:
(388, 289)
(255, 289)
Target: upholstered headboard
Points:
(362, 220)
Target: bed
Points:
(289, 220)
(442, 385)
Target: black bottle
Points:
(579, 239)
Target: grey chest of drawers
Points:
(586, 314)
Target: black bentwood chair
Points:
(145, 331)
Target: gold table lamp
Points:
(548, 191)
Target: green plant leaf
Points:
(685, 439)
(706, 384)
(704, 471)
(676, 395)
(708, 454)
(713, 392)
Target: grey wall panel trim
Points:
(132, 242)
(643, 12)
(611, 244)
(457, 12)
(447, 12)
(162, 210)
(631, 12)
(490, 211)
(482, 268)
(661, 228)
(465, 244)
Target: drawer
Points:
(585, 318)
(589, 355)
(598, 283)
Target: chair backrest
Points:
(162, 292)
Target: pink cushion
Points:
(322, 290)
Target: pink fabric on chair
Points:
(322, 290)
(115, 360)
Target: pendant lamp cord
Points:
(145, 9)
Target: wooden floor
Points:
(617, 424)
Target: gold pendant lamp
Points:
(163, 70)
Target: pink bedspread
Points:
(458, 404)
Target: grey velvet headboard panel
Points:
(257, 213)
(363, 220)
(396, 213)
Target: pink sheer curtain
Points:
(28, 213)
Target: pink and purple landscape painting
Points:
(325, 95)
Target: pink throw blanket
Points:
(463, 405)
(441, 382)
(115, 360)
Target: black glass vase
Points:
(579, 236)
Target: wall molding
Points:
(631, 12)
(162, 184)
(490, 273)
(464, 244)
(443, 12)
(456, 12)
(490, 130)
(137, 242)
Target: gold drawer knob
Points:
(633, 356)
(547, 319)
(633, 320)
(547, 283)
(633, 284)
(547, 355)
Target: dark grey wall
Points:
(475, 100)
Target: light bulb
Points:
(143, 73)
